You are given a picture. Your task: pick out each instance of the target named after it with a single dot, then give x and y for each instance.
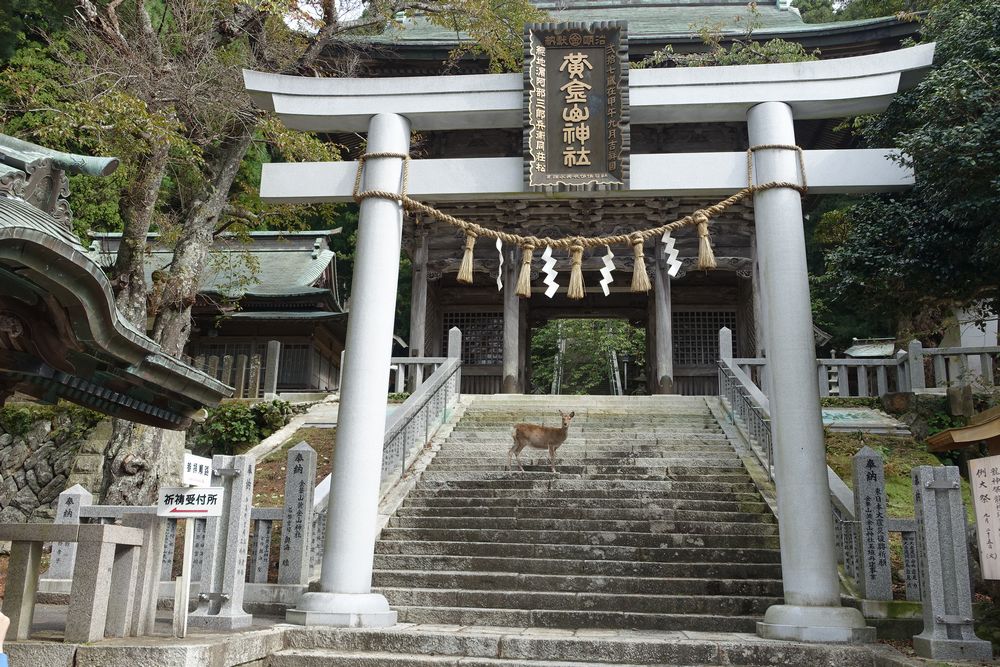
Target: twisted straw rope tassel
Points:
(640, 281)
(465, 270)
(706, 257)
(524, 278)
(576, 290)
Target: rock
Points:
(17, 455)
(52, 489)
(897, 402)
(19, 478)
(44, 473)
(960, 402)
(12, 514)
(40, 431)
(6, 439)
(32, 481)
(26, 499)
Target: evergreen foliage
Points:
(915, 256)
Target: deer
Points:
(539, 437)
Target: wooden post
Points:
(664, 329)
(418, 306)
(511, 323)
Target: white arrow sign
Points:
(183, 502)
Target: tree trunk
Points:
(137, 210)
(139, 457)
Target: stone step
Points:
(444, 504)
(623, 433)
(565, 466)
(558, 521)
(540, 481)
(716, 605)
(558, 618)
(544, 647)
(544, 511)
(334, 658)
(614, 584)
(600, 540)
(687, 533)
(596, 450)
(564, 565)
(444, 493)
(766, 552)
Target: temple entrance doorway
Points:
(588, 356)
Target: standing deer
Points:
(539, 437)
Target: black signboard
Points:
(576, 131)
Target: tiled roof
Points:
(646, 20)
(270, 264)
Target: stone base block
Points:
(220, 622)
(828, 625)
(953, 649)
(344, 610)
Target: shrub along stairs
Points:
(650, 524)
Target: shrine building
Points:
(683, 315)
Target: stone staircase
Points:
(650, 524)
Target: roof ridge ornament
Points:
(38, 175)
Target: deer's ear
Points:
(572, 414)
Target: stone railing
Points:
(747, 408)
(916, 369)
(935, 551)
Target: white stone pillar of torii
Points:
(767, 97)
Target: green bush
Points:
(398, 396)
(229, 429)
(235, 427)
(271, 416)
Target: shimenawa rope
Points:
(576, 244)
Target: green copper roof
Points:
(63, 336)
(647, 20)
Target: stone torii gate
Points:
(767, 97)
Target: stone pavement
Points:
(270, 643)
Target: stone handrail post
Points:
(944, 568)
(915, 364)
(223, 568)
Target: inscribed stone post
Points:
(226, 571)
(198, 553)
(271, 372)
(227, 369)
(253, 385)
(944, 568)
(911, 568)
(296, 529)
(239, 382)
(875, 577)
(169, 542)
(213, 366)
(261, 551)
(67, 511)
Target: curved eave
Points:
(60, 269)
(815, 90)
